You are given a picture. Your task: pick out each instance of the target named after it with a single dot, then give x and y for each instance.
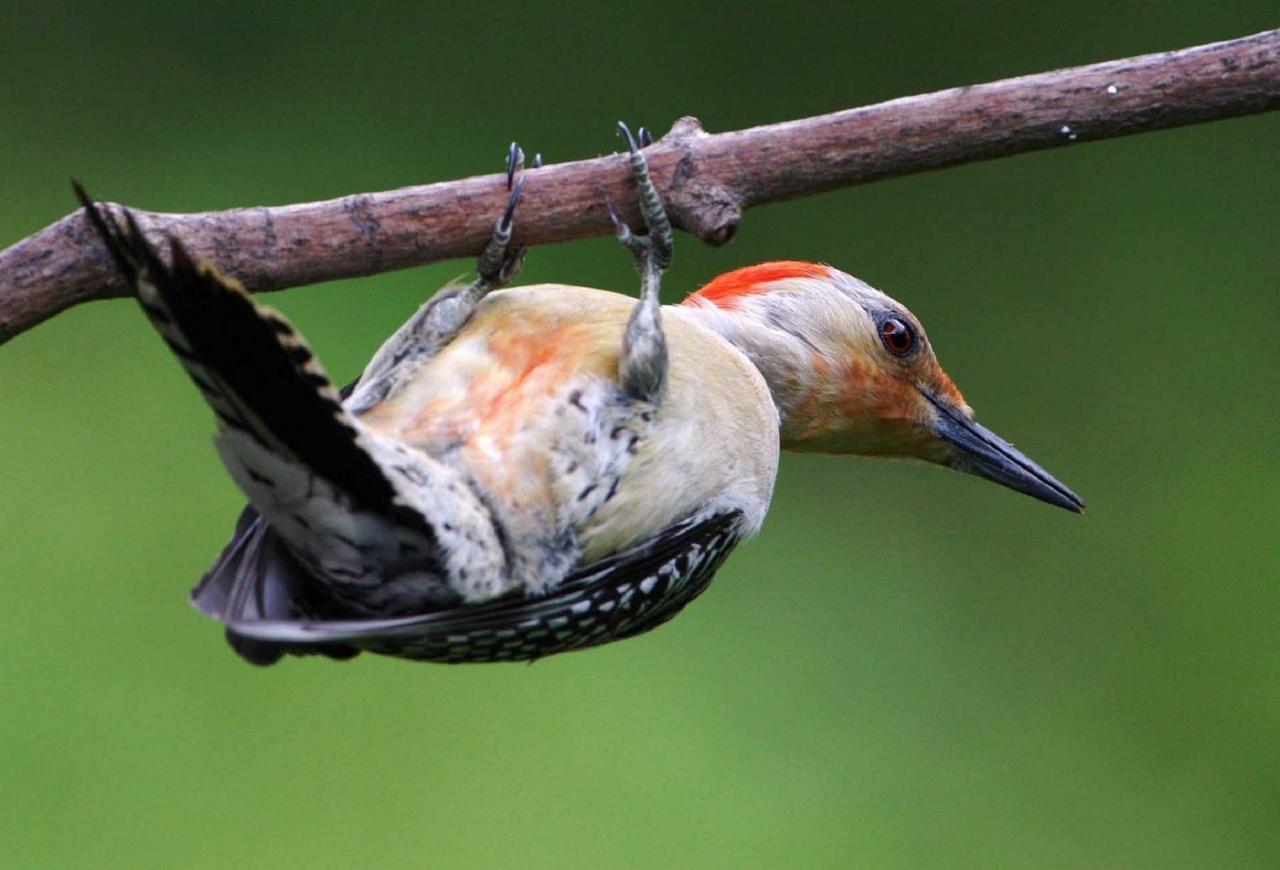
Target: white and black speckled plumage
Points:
(272, 608)
(535, 470)
(503, 474)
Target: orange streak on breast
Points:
(530, 364)
(510, 391)
(523, 365)
(538, 367)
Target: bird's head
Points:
(852, 371)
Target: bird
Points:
(524, 471)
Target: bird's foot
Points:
(500, 262)
(652, 250)
(643, 367)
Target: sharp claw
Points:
(515, 161)
(628, 239)
(652, 250)
(512, 201)
(499, 262)
(631, 140)
(621, 229)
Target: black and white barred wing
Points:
(620, 596)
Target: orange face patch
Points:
(871, 393)
(943, 385)
(726, 290)
(859, 407)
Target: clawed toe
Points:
(500, 262)
(643, 367)
(515, 162)
(637, 245)
(654, 249)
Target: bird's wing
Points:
(256, 577)
(253, 368)
(619, 596)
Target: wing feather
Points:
(620, 596)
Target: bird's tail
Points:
(253, 368)
(256, 578)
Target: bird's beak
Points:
(978, 450)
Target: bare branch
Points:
(707, 180)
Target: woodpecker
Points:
(526, 471)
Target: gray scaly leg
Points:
(643, 369)
(498, 264)
(438, 321)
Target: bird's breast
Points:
(526, 400)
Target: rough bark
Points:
(707, 180)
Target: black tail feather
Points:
(110, 233)
(253, 367)
(257, 578)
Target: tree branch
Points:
(707, 180)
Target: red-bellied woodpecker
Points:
(527, 471)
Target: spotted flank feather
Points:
(253, 368)
(623, 595)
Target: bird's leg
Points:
(498, 264)
(643, 370)
(438, 321)
(495, 267)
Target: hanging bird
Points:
(528, 471)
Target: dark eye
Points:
(898, 338)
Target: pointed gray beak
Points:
(978, 450)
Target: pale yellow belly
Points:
(503, 400)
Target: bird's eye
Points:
(898, 338)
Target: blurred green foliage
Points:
(909, 667)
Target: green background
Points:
(908, 667)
